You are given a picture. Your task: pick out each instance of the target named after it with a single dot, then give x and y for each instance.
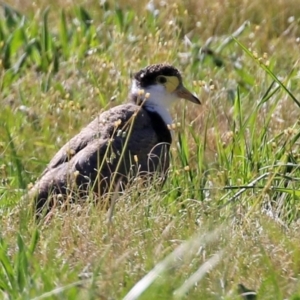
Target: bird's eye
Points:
(161, 79)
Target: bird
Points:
(125, 142)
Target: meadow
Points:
(227, 218)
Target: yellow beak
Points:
(184, 93)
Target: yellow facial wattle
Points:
(170, 82)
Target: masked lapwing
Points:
(124, 142)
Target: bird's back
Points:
(117, 145)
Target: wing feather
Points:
(119, 141)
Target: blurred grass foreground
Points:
(226, 223)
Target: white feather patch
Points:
(159, 100)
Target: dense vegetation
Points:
(229, 211)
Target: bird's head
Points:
(163, 84)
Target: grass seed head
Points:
(117, 123)
(141, 92)
(70, 152)
(76, 174)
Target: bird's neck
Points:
(157, 101)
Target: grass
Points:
(229, 211)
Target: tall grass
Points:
(228, 213)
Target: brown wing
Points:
(122, 155)
(98, 127)
(120, 141)
(76, 144)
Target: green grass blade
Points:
(6, 63)
(84, 17)
(21, 265)
(45, 41)
(34, 241)
(63, 34)
(12, 16)
(269, 72)
(15, 158)
(7, 268)
(120, 18)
